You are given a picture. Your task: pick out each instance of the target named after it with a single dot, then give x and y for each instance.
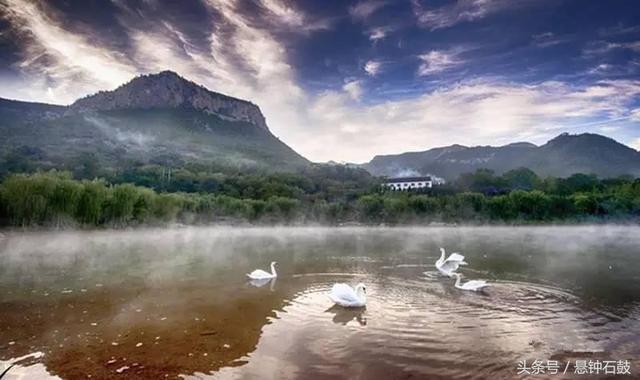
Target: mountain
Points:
(168, 90)
(160, 119)
(560, 157)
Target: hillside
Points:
(159, 119)
(560, 157)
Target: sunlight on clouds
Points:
(287, 14)
(290, 17)
(475, 113)
(244, 60)
(68, 62)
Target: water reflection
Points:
(164, 303)
(258, 283)
(343, 316)
(25, 367)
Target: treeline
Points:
(324, 195)
(518, 196)
(55, 199)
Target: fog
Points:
(166, 251)
(109, 290)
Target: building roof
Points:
(407, 179)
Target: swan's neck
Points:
(442, 254)
(457, 280)
(273, 269)
(362, 295)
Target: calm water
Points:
(175, 303)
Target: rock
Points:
(169, 90)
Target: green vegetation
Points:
(323, 194)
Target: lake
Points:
(175, 303)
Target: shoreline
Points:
(345, 226)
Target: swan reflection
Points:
(343, 315)
(258, 283)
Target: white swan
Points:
(259, 274)
(450, 265)
(345, 295)
(473, 285)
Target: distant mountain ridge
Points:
(560, 157)
(158, 119)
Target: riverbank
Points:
(55, 200)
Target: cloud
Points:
(635, 144)
(68, 64)
(285, 13)
(354, 89)
(619, 29)
(475, 112)
(601, 48)
(294, 19)
(379, 33)
(437, 61)
(240, 57)
(547, 39)
(462, 11)
(373, 67)
(366, 8)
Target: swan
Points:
(259, 274)
(473, 285)
(450, 265)
(344, 295)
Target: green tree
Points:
(521, 179)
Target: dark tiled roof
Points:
(407, 179)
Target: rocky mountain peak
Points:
(167, 89)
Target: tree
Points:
(91, 202)
(121, 203)
(521, 179)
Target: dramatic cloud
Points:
(382, 106)
(284, 12)
(479, 113)
(68, 64)
(291, 17)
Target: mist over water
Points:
(175, 302)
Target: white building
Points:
(408, 183)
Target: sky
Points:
(348, 80)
